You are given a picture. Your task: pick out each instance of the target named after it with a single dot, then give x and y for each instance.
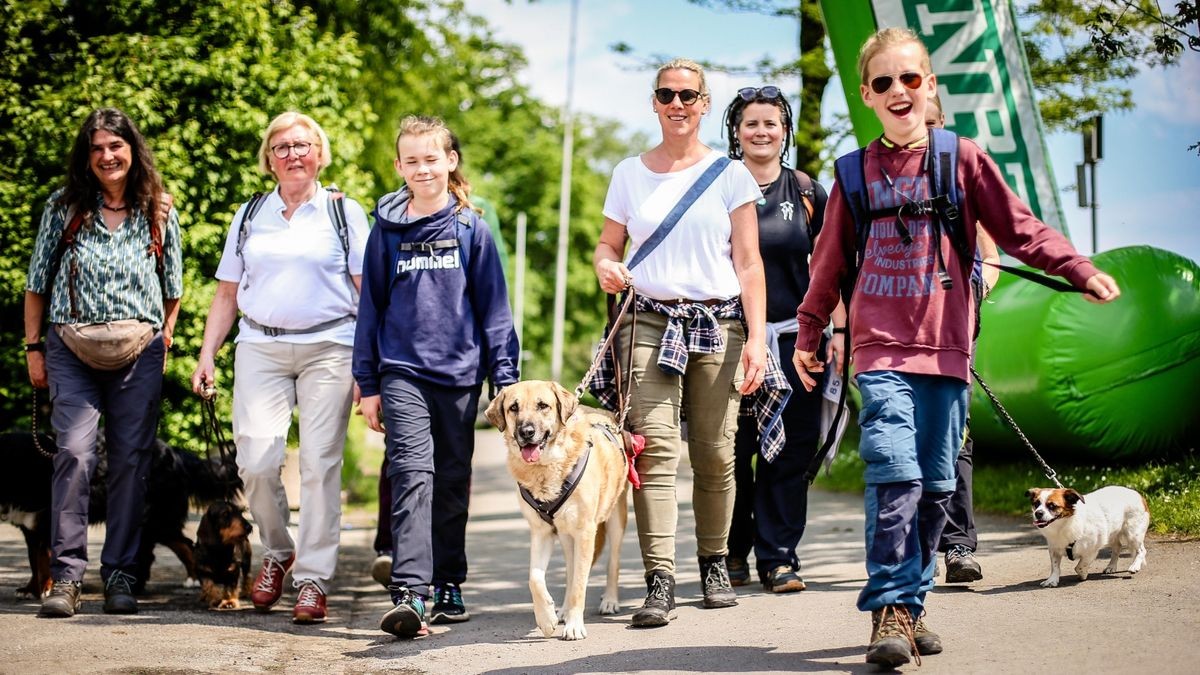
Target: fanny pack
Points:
(106, 346)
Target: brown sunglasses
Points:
(881, 84)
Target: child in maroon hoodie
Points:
(911, 337)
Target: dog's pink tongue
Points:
(530, 453)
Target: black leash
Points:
(37, 443)
(1050, 473)
(214, 431)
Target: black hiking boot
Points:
(714, 581)
(739, 570)
(659, 607)
(118, 594)
(961, 565)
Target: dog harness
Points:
(547, 509)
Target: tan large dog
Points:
(547, 434)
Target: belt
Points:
(710, 302)
(271, 331)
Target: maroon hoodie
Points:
(901, 318)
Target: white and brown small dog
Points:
(1079, 526)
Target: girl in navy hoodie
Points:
(433, 322)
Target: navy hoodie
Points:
(437, 314)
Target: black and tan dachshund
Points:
(176, 480)
(223, 556)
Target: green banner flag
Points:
(983, 81)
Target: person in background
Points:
(106, 253)
(294, 279)
(701, 341)
(434, 323)
(959, 539)
(771, 505)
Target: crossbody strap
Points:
(685, 202)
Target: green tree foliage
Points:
(202, 78)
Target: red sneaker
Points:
(310, 604)
(268, 586)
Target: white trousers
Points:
(270, 380)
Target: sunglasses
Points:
(686, 96)
(769, 92)
(883, 83)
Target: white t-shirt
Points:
(694, 261)
(292, 274)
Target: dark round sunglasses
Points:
(881, 84)
(686, 96)
(769, 92)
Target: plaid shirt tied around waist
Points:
(692, 327)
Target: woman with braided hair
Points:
(771, 503)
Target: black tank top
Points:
(783, 238)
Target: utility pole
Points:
(564, 208)
(1093, 152)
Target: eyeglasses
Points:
(769, 92)
(686, 96)
(881, 84)
(282, 150)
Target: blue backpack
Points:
(941, 167)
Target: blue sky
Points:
(1148, 182)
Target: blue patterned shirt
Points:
(117, 274)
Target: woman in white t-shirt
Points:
(700, 330)
(295, 274)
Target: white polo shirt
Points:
(292, 274)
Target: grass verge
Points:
(1171, 487)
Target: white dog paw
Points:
(1135, 568)
(609, 606)
(1111, 569)
(574, 630)
(1050, 583)
(546, 619)
(1083, 575)
(191, 583)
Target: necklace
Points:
(114, 209)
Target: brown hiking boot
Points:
(927, 641)
(63, 600)
(892, 641)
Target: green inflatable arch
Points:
(1114, 381)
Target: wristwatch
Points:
(35, 347)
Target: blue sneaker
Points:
(407, 618)
(448, 604)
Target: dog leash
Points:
(604, 347)
(213, 429)
(33, 423)
(1050, 473)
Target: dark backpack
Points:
(941, 166)
(337, 215)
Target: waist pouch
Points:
(106, 346)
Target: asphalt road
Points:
(1004, 623)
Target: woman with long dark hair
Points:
(107, 263)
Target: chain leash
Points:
(1050, 473)
(37, 443)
